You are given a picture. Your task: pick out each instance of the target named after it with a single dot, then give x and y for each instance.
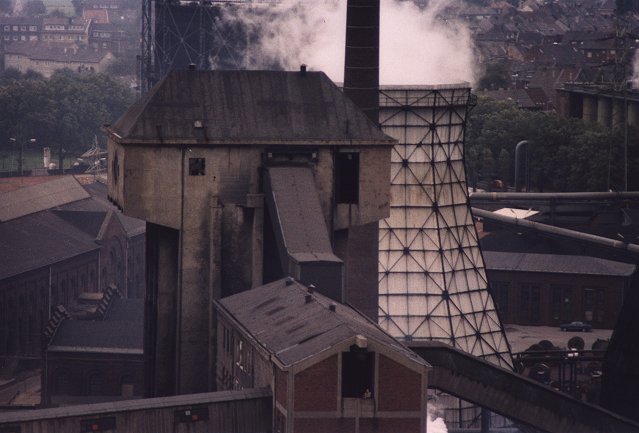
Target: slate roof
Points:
(65, 229)
(246, 107)
(556, 263)
(299, 214)
(121, 329)
(35, 50)
(292, 330)
(38, 240)
(31, 199)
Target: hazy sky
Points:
(414, 47)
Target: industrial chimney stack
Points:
(361, 65)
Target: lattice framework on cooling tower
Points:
(432, 281)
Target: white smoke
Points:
(634, 81)
(415, 46)
(434, 423)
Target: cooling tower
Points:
(432, 281)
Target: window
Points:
(358, 372)
(347, 178)
(499, 290)
(197, 166)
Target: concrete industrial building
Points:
(243, 177)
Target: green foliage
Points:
(63, 112)
(6, 6)
(34, 8)
(566, 154)
(495, 77)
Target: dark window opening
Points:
(358, 373)
(196, 166)
(347, 178)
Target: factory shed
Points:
(330, 368)
(94, 357)
(551, 289)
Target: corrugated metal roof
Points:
(38, 240)
(31, 199)
(278, 316)
(299, 213)
(122, 328)
(246, 107)
(556, 263)
(64, 230)
(134, 405)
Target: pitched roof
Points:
(38, 240)
(556, 263)
(121, 330)
(36, 50)
(31, 199)
(50, 223)
(278, 316)
(246, 107)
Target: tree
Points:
(6, 6)
(33, 8)
(566, 154)
(495, 77)
(63, 112)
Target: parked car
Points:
(576, 326)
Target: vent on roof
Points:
(311, 288)
(308, 298)
(289, 281)
(332, 307)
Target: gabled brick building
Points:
(330, 368)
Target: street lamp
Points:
(21, 160)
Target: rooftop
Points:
(292, 328)
(556, 263)
(244, 108)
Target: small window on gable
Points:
(358, 373)
(196, 166)
(347, 178)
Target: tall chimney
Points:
(361, 84)
(361, 64)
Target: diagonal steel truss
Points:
(432, 281)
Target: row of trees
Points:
(565, 154)
(64, 112)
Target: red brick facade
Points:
(316, 388)
(399, 388)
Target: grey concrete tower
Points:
(243, 177)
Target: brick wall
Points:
(281, 391)
(316, 387)
(399, 388)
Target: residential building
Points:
(67, 30)
(14, 29)
(46, 58)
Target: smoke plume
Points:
(416, 46)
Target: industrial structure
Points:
(176, 34)
(433, 282)
(243, 177)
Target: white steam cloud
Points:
(434, 423)
(415, 46)
(634, 81)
